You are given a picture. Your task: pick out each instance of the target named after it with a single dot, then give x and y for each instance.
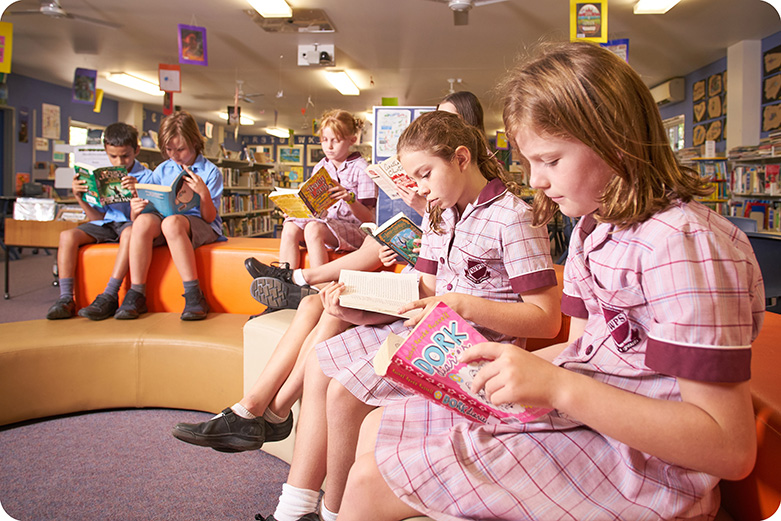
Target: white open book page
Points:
(381, 292)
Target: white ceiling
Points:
(392, 48)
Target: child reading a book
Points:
(479, 254)
(354, 197)
(110, 225)
(651, 395)
(181, 143)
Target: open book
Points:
(171, 199)
(104, 184)
(388, 174)
(426, 362)
(310, 200)
(398, 233)
(379, 291)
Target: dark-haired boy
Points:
(112, 225)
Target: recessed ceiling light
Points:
(133, 82)
(278, 132)
(272, 8)
(654, 6)
(343, 83)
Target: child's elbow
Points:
(741, 464)
(550, 326)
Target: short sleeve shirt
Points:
(680, 294)
(167, 171)
(120, 212)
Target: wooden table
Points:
(32, 234)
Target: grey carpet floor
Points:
(125, 465)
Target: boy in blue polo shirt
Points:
(121, 143)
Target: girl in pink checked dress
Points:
(651, 395)
(354, 198)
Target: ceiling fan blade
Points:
(95, 21)
(29, 11)
(486, 2)
(460, 17)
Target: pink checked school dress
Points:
(681, 295)
(340, 219)
(491, 251)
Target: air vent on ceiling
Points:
(302, 21)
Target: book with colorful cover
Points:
(388, 174)
(171, 199)
(310, 201)
(426, 362)
(104, 184)
(399, 234)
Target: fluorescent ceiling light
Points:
(243, 120)
(132, 82)
(654, 6)
(278, 132)
(272, 8)
(342, 82)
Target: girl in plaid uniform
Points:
(651, 395)
(354, 198)
(479, 254)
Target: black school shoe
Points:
(308, 517)
(229, 432)
(195, 306)
(278, 294)
(257, 269)
(65, 307)
(133, 305)
(103, 307)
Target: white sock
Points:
(298, 277)
(294, 503)
(242, 411)
(327, 515)
(271, 417)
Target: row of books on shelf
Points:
(767, 213)
(756, 180)
(248, 226)
(238, 178)
(769, 146)
(244, 202)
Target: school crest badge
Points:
(476, 271)
(624, 335)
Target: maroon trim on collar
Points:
(491, 191)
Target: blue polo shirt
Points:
(120, 212)
(167, 171)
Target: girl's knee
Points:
(316, 231)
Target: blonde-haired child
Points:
(651, 394)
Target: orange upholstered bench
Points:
(221, 271)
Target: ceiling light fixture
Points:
(243, 120)
(654, 6)
(133, 82)
(278, 132)
(343, 83)
(272, 8)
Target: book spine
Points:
(418, 382)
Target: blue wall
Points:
(27, 94)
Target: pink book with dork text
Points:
(426, 362)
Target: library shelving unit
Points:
(716, 171)
(245, 208)
(756, 188)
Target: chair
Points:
(767, 248)
(744, 223)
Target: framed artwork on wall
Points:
(290, 155)
(314, 155)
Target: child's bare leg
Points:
(290, 392)
(345, 414)
(367, 495)
(145, 228)
(317, 235)
(285, 356)
(68, 251)
(176, 229)
(289, 251)
(365, 258)
(307, 469)
(122, 260)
